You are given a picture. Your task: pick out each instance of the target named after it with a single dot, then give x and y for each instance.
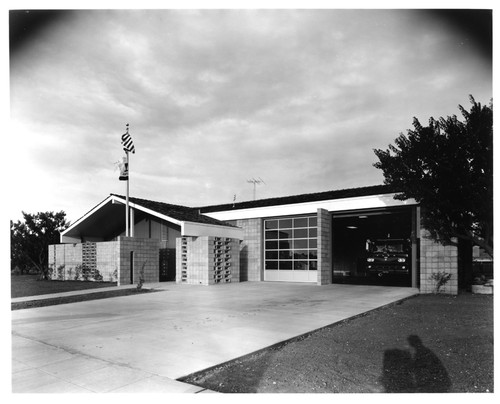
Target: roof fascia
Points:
(332, 205)
(203, 229)
(149, 211)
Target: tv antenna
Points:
(255, 182)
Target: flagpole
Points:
(127, 227)
(128, 146)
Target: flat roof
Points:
(302, 198)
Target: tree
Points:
(30, 239)
(447, 167)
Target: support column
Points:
(132, 222)
(324, 247)
(437, 258)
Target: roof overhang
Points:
(108, 218)
(202, 229)
(332, 205)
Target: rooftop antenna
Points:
(255, 182)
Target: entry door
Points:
(167, 264)
(131, 267)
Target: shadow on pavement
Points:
(421, 372)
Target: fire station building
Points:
(359, 236)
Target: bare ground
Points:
(428, 343)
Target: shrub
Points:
(441, 279)
(141, 276)
(50, 271)
(78, 272)
(86, 273)
(97, 276)
(60, 273)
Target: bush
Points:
(441, 279)
(60, 273)
(78, 272)
(97, 276)
(86, 273)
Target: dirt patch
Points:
(429, 343)
(78, 298)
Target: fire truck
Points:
(388, 257)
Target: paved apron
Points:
(143, 343)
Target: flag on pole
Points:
(127, 143)
(123, 169)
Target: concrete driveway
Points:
(143, 343)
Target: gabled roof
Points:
(177, 212)
(314, 197)
(107, 220)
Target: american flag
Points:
(127, 143)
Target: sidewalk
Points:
(82, 292)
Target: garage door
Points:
(291, 249)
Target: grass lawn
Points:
(30, 285)
(428, 343)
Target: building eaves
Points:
(178, 212)
(303, 198)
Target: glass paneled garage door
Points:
(291, 249)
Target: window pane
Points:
(285, 244)
(271, 264)
(271, 255)
(291, 244)
(271, 224)
(285, 234)
(300, 233)
(300, 265)
(301, 222)
(285, 224)
(285, 255)
(300, 254)
(285, 264)
(271, 235)
(297, 244)
(271, 245)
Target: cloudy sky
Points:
(298, 98)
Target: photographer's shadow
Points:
(421, 373)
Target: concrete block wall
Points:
(192, 260)
(107, 260)
(324, 247)
(251, 250)
(207, 260)
(435, 257)
(146, 256)
(63, 259)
